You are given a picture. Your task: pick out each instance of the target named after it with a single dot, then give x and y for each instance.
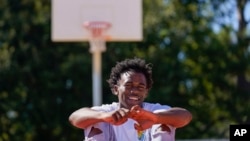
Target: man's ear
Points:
(115, 90)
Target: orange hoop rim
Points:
(97, 29)
(96, 24)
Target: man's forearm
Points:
(85, 117)
(177, 117)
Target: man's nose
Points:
(134, 90)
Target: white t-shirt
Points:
(127, 132)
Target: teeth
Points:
(134, 98)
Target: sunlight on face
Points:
(131, 89)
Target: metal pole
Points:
(97, 46)
(97, 78)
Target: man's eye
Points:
(142, 87)
(128, 86)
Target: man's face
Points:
(131, 89)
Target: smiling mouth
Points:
(135, 98)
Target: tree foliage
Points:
(200, 62)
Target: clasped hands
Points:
(144, 119)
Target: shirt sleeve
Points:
(106, 107)
(155, 107)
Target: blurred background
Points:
(200, 51)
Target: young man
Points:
(130, 119)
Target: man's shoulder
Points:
(107, 107)
(155, 106)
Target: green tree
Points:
(199, 67)
(40, 81)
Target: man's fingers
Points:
(124, 112)
(138, 127)
(135, 111)
(120, 116)
(120, 121)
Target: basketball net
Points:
(97, 38)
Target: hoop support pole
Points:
(97, 78)
(97, 46)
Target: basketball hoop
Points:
(97, 38)
(97, 42)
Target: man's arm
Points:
(85, 117)
(176, 117)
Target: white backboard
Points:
(68, 16)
